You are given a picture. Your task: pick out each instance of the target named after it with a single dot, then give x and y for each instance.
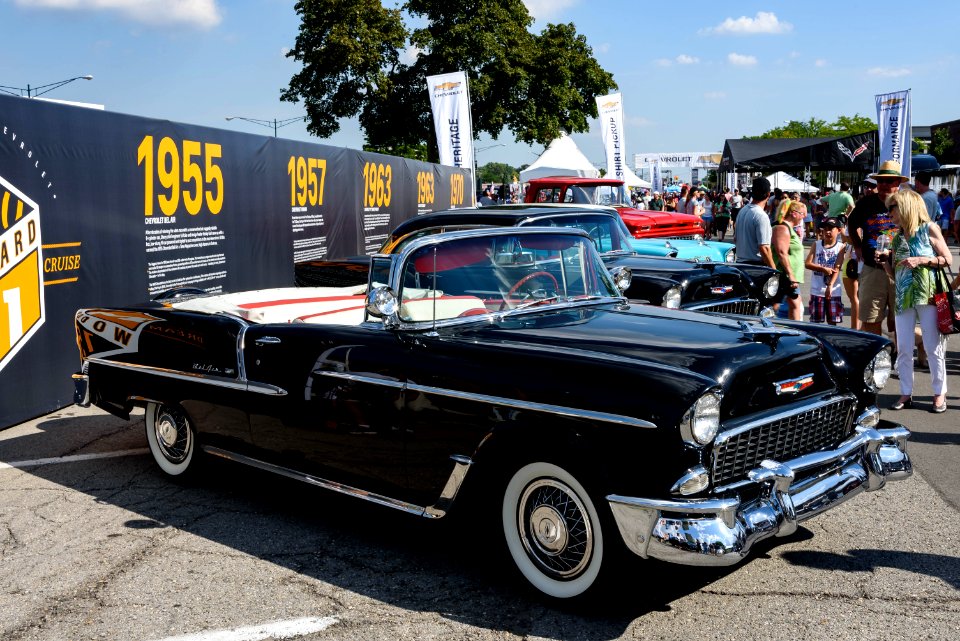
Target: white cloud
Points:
(547, 9)
(888, 72)
(820, 62)
(741, 60)
(409, 55)
(203, 14)
(793, 55)
(684, 59)
(663, 62)
(638, 121)
(715, 95)
(765, 22)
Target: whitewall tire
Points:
(552, 530)
(171, 437)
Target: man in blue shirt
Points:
(753, 231)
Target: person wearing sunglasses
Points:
(870, 224)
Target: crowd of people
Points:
(886, 249)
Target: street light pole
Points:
(275, 124)
(33, 92)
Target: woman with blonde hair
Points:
(788, 256)
(915, 256)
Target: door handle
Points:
(267, 340)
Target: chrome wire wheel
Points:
(170, 436)
(552, 530)
(555, 530)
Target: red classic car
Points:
(611, 192)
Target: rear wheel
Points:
(552, 530)
(171, 438)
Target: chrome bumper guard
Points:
(721, 531)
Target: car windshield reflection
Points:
(477, 276)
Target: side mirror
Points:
(622, 278)
(382, 303)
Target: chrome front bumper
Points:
(721, 531)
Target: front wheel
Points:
(552, 530)
(171, 438)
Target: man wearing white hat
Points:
(869, 225)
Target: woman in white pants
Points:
(917, 252)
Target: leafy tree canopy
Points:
(816, 128)
(496, 172)
(535, 85)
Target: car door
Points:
(339, 418)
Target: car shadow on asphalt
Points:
(456, 567)
(946, 568)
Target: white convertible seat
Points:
(321, 305)
(422, 309)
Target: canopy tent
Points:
(855, 153)
(631, 179)
(786, 182)
(562, 157)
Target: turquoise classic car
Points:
(697, 249)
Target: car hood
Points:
(742, 357)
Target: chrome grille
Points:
(687, 237)
(782, 438)
(740, 306)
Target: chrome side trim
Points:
(436, 511)
(619, 419)
(229, 383)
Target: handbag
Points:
(947, 302)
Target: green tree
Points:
(496, 172)
(534, 85)
(941, 143)
(817, 128)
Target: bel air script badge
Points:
(793, 385)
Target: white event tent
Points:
(630, 179)
(562, 157)
(786, 182)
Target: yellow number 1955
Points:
(176, 178)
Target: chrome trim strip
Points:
(229, 383)
(498, 400)
(462, 464)
(722, 301)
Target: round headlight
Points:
(702, 421)
(772, 286)
(671, 299)
(730, 256)
(622, 278)
(877, 373)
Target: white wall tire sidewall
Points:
(170, 468)
(548, 585)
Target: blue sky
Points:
(690, 78)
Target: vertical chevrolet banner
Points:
(450, 102)
(893, 125)
(656, 177)
(610, 109)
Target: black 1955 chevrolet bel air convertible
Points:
(506, 362)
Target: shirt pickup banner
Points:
(610, 108)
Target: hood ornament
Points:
(766, 329)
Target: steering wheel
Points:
(520, 283)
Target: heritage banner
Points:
(450, 102)
(610, 109)
(893, 124)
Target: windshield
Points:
(610, 195)
(484, 275)
(608, 233)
